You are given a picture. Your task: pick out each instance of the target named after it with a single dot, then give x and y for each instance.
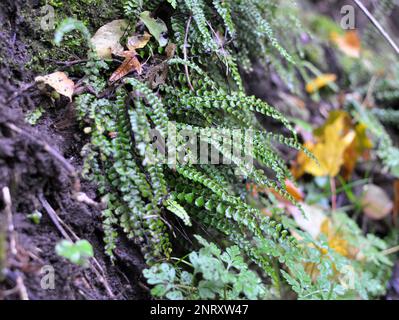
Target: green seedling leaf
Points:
(78, 253)
(33, 116)
(35, 217)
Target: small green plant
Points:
(33, 116)
(78, 253)
(212, 274)
(35, 217)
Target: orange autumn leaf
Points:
(295, 192)
(291, 189)
(320, 82)
(130, 64)
(349, 43)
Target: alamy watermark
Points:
(193, 145)
(47, 20)
(47, 280)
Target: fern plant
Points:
(159, 204)
(214, 274)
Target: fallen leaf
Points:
(60, 82)
(348, 43)
(375, 202)
(156, 27)
(329, 150)
(337, 143)
(316, 223)
(291, 189)
(294, 191)
(130, 64)
(106, 40)
(138, 41)
(320, 82)
(360, 147)
(335, 238)
(310, 220)
(157, 75)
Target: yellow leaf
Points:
(358, 148)
(138, 41)
(349, 43)
(329, 150)
(335, 238)
(60, 82)
(320, 82)
(363, 142)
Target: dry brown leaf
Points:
(106, 39)
(375, 202)
(170, 50)
(130, 64)
(60, 82)
(138, 41)
(349, 43)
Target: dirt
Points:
(38, 165)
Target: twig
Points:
(10, 222)
(333, 194)
(370, 90)
(69, 63)
(58, 223)
(185, 53)
(23, 293)
(54, 217)
(377, 25)
(390, 250)
(20, 286)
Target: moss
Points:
(44, 53)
